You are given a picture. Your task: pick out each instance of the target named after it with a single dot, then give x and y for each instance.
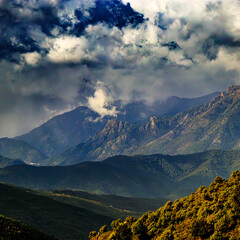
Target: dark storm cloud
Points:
(111, 12)
(213, 43)
(17, 17)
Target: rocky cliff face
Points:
(214, 125)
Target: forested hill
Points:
(210, 213)
(136, 176)
(11, 229)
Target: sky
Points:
(56, 55)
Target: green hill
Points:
(214, 125)
(16, 149)
(108, 205)
(53, 217)
(137, 176)
(211, 213)
(11, 229)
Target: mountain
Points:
(11, 229)
(17, 149)
(209, 213)
(64, 131)
(53, 217)
(211, 126)
(7, 162)
(77, 126)
(138, 176)
(140, 111)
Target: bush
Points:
(92, 234)
(103, 229)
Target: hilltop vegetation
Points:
(210, 213)
(11, 229)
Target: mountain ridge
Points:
(71, 128)
(137, 176)
(211, 126)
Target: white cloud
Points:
(101, 102)
(32, 58)
(67, 49)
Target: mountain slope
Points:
(109, 205)
(53, 217)
(11, 229)
(64, 131)
(16, 149)
(7, 162)
(214, 125)
(138, 176)
(210, 213)
(78, 125)
(116, 138)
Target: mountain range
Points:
(77, 126)
(211, 126)
(139, 176)
(166, 157)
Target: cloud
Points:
(101, 103)
(67, 49)
(54, 53)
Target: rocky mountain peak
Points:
(115, 126)
(152, 124)
(232, 90)
(235, 89)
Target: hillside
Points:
(53, 217)
(16, 149)
(209, 213)
(7, 162)
(11, 229)
(211, 126)
(138, 176)
(108, 205)
(80, 124)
